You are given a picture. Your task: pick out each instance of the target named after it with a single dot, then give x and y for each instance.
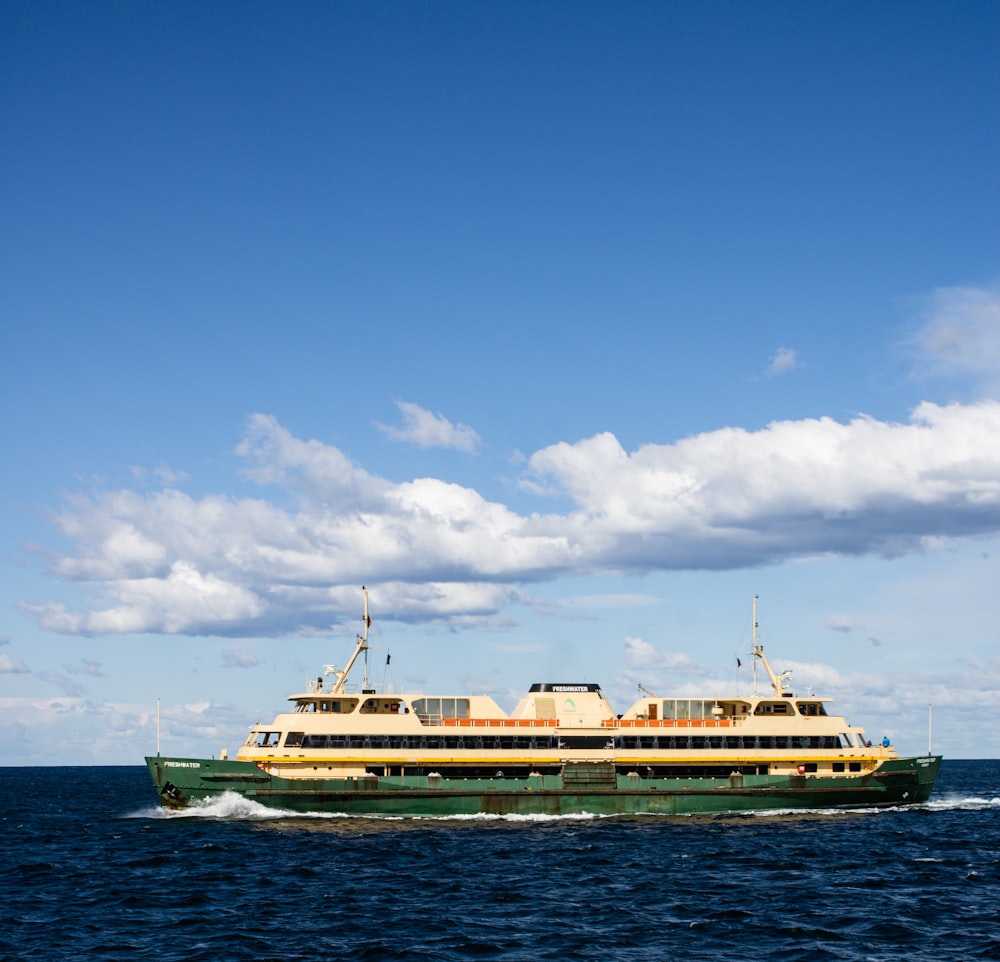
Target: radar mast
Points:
(778, 682)
(360, 646)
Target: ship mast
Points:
(360, 646)
(364, 640)
(778, 682)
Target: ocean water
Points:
(91, 868)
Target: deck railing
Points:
(666, 723)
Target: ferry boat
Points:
(562, 750)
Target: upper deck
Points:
(550, 718)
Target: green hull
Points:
(594, 790)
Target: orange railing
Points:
(666, 723)
(605, 723)
(501, 722)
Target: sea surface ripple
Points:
(91, 867)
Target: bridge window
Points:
(432, 710)
(811, 708)
(772, 708)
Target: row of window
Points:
(642, 773)
(694, 708)
(526, 742)
(731, 742)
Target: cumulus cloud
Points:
(182, 599)
(427, 430)
(438, 551)
(642, 656)
(733, 498)
(648, 668)
(319, 471)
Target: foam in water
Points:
(232, 806)
(961, 803)
(228, 805)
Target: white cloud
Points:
(74, 730)
(319, 470)
(12, 666)
(959, 335)
(785, 359)
(69, 687)
(163, 476)
(664, 673)
(641, 656)
(182, 600)
(231, 658)
(725, 499)
(427, 430)
(87, 666)
(733, 498)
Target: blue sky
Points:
(564, 328)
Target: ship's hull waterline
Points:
(184, 782)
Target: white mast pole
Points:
(361, 645)
(930, 713)
(755, 645)
(157, 727)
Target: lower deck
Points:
(596, 788)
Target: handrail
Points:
(666, 723)
(500, 722)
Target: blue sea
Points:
(92, 868)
